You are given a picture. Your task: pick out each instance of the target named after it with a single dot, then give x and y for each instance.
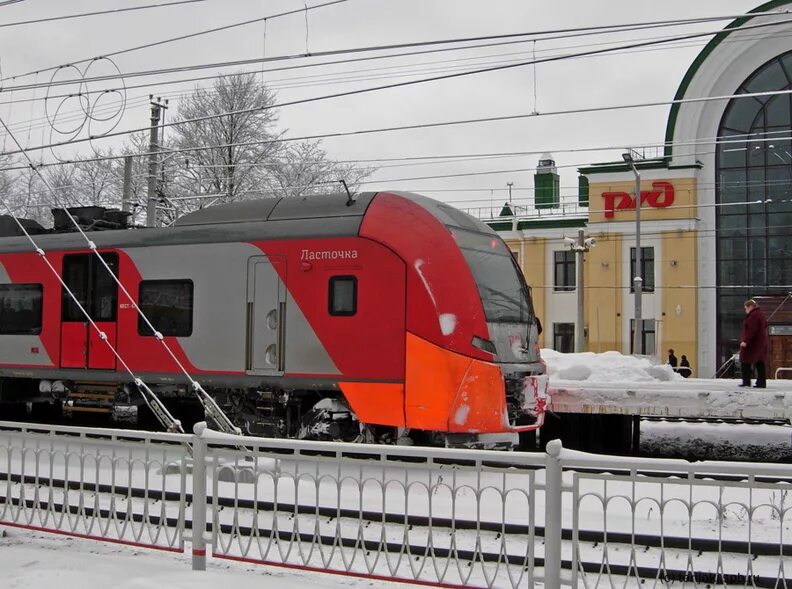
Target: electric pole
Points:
(580, 247)
(510, 184)
(154, 149)
(638, 279)
(579, 250)
(126, 195)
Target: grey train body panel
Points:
(230, 334)
(218, 271)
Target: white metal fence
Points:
(113, 485)
(425, 515)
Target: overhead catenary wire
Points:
(541, 35)
(159, 83)
(80, 112)
(96, 13)
(415, 126)
(176, 38)
(731, 139)
(410, 82)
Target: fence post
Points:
(199, 498)
(552, 565)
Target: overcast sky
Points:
(630, 77)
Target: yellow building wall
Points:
(680, 301)
(603, 301)
(675, 273)
(533, 264)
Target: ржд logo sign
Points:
(661, 196)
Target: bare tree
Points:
(304, 168)
(245, 137)
(85, 182)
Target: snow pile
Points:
(605, 367)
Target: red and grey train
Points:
(319, 317)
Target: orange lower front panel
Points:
(446, 391)
(376, 403)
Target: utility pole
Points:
(154, 148)
(510, 184)
(127, 191)
(580, 247)
(579, 250)
(637, 280)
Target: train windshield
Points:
(503, 291)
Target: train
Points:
(386, 317)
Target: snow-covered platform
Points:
(695, 397)
(611, 383)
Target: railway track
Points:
(401, 533)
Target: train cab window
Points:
(168, 304)
(343, 295)
(20, 309)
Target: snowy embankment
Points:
(611, 382)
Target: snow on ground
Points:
(31, 560)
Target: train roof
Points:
(280, 209)
(316, 216)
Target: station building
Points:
(716, 215)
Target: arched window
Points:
(754, 196)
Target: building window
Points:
(168, 304)
(564, 337)
(20, 309)
(647, 336)
(753, 175)
(343, 295)
(564, 270)
(647, 269)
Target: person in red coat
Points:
(753, 345)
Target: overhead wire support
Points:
(154, 151)
(210, 406)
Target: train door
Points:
(97, 292)
(266, 314)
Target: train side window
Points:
(168, 304)
(343, 295)
(20, 309)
